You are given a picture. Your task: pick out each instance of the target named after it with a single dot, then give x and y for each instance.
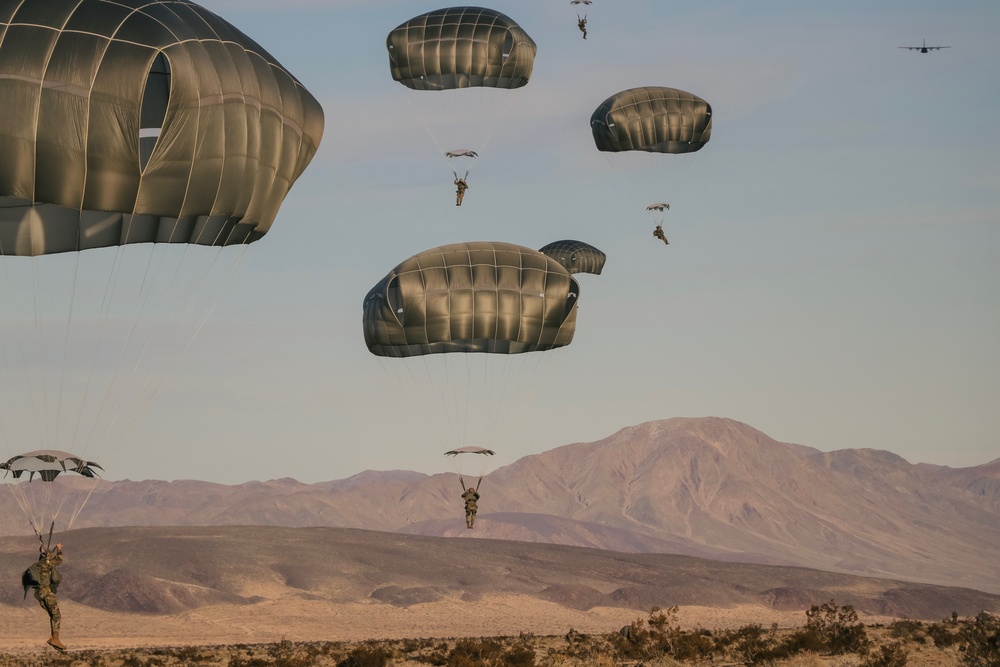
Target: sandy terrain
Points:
(23, 629)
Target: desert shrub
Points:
(474, 653)
(148, 661)
(905, 628)
(239, 660)
(887, 655)
(980, 639)
(804, 640)
(692, 646)
(631, 642)
(519, 656)
(749, 645)
(943, 634)
(663, 637)
(838, 628)
(366, 656)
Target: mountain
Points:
(707, 487)
(173, 570)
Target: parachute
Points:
(658, 212)
(468, 458)
(460, 65)
(457, 323)
(581, 21)
(472, 297)
(642, 131)
(38, 494)
(576, 256)
(460, 47)
(652, 119)
(144, 144)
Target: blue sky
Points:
(833, 277)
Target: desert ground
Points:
(304, 634)
(24, 629)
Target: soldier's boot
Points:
(55, 643)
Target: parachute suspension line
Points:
(69, 323)
(27, 507)
(500, 116)
(106, 401)
(227, 280)
(522, 380)
(40, 412)
(79, 507)
(5, 349)
(105, 316)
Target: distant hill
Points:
(708, 487)
(171, 570)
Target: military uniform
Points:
(45, 593)
(658, 233)
(470, 497)
(462, 186)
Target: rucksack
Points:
(30, 579)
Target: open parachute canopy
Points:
(143, 145)
(141, 121)
(652, 119)
(48, 464)
(483, 296)
(470, 450)
(460, 47)
(576, 256)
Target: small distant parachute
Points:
(470, 450)
(463, 159)
(652, 119)
(658, 212)
(460, 47)
(576, 256)
(470, 461)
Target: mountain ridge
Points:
(706, 487)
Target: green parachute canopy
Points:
(576, 256)
(460, 47)
(472, 297)
(652, 119)
(142, 121)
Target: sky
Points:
(832, 278)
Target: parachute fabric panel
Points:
(140, 121)
(652, 119)
(460, 47)
(471, 297)
(576, 256)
